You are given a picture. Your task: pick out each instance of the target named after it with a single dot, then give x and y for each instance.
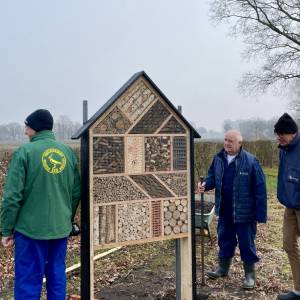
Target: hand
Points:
(201, 187)
(75, 230)
(8, 241)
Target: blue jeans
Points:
(33, 260)
(230, 234)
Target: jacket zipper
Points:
(222, 164)
(237, 170)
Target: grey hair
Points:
(237, 134)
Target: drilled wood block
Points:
(133, 221)
(137, 98)
(173, 126)
(177, 182)
(152, 119)
(158, 153)
(114, 123)
(108, 155)
(175, 220)
(152, 186)
(156, 218)
(179, 153)
(115, 188)
(134, 154)
(107, 224)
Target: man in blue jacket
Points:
(288, 193)
(240, 201)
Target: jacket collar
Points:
(41, 135)
(223, 154)
(292, 144)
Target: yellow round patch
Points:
(54, 160)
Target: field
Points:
(148, 271)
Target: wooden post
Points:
(85, 246)
(185, 247)
(192, 220)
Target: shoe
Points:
(222, 270)
(288, 296)
(250, 276)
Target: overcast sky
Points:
(54, 54)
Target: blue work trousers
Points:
(230, 234)
(33, 260)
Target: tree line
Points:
(251, 129)
(64, 128)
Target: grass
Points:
(271, 177)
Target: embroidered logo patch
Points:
(244, 173)
(54, 160)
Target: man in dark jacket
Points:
(40, 198)
(241, 202)
(288, 193)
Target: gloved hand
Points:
(75, 230)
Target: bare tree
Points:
(64, 127)
(295, 101)
(271, 31)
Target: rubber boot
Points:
(250, 276)
(288, 296)
(222, 270)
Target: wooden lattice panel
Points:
(152, 186)
(173, 126)
(175, 216)
(134, 154)
(177, 182)
(156, 218)
(158, 153)
(133, 221)
(106, 224)
(114, 122)
(135, 101)
(115, 189)
(108, 155)
(152, 120)
(179, 153)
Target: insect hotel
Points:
(137, 177)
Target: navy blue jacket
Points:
(288, 188)
(249, 187)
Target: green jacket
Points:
(42, 189)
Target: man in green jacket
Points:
(41, 195)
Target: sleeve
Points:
(13, 192)
(260, 193)
(210, 179)
(76, 189)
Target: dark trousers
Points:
(230, 234)
(35, 258)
